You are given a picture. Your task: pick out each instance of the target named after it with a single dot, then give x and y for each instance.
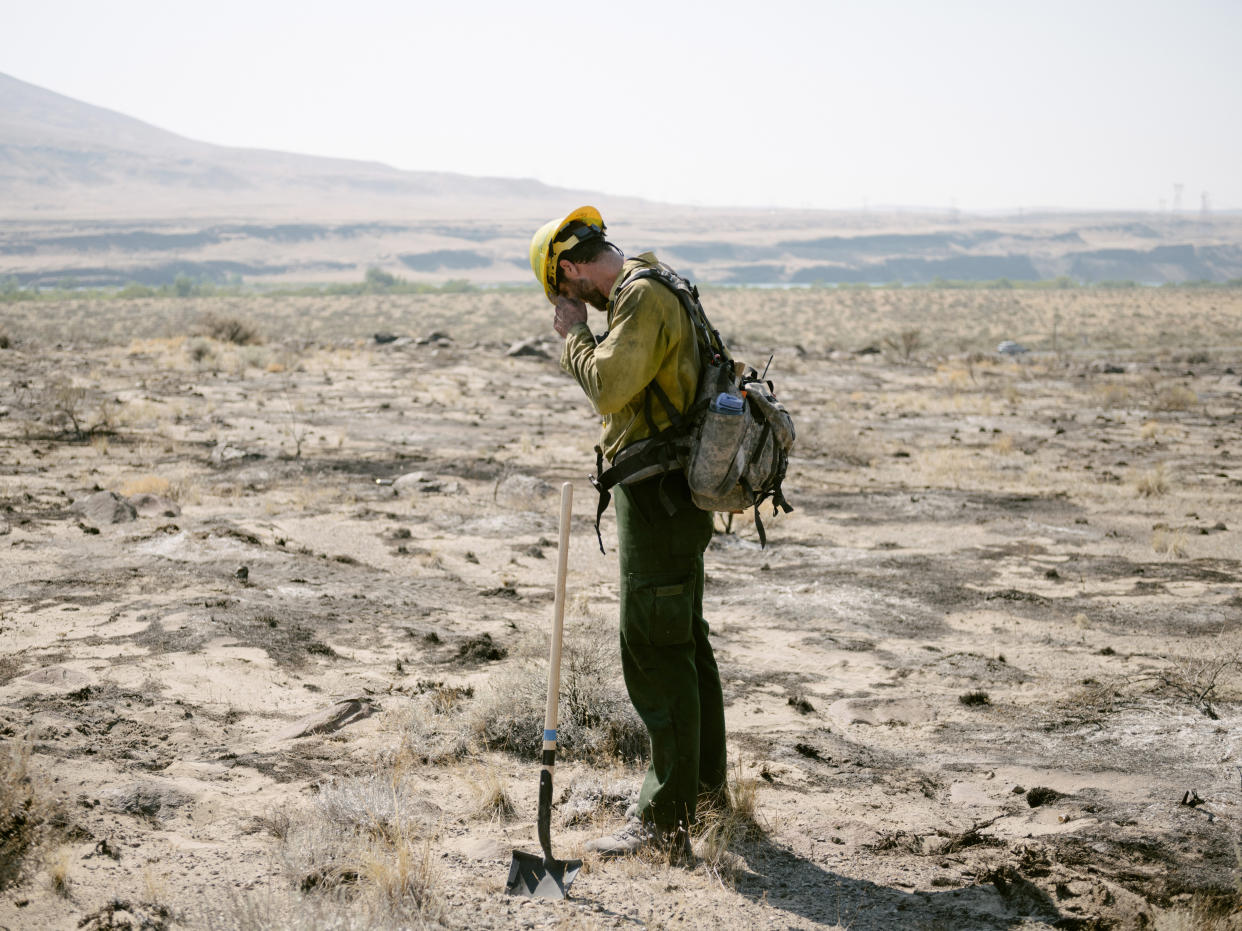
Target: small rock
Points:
(62, 676)
(385, 338)
(242, 573)
(5, 527)
(532, 348)
(410, 480)
(106, 507)
(226, 453)
(148, 799)
(148, 505)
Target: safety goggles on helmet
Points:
(573, 237)
(557, 237)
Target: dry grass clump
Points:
(1222, 912)
(1153, 483)
(58, 872)
(1114, 395)
(1153, 430)
(359, 843)
(1174, 398)
(727, 825)
(25, 813)
(597, 720)
(1169, 542)
(147, 485)
(292, 911)
(491, 799)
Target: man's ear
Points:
(566, 265)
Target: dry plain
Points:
(274, 616)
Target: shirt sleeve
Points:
(614, 371)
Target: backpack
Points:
(732, 443)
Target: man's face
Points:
(575, 284)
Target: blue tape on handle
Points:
(549, 735)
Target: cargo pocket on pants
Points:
(659, 609)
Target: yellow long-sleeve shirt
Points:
(650, 337)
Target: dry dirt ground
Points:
(274, 617)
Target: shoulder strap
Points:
(708, 336)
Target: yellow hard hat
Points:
(546, 248)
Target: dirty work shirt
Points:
(650, 336)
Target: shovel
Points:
(545, 877)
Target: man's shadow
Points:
(780, 878)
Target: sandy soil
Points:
(985, 676)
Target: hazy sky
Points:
(988, 104)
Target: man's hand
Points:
(568, 313)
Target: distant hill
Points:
(89, 196)
(61, 157)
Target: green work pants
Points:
(670, 670)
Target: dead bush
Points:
(372, 806)
(200, 350)
(25, 812)
(1202, 677)
(5, 341)
(67, 402)
(233, 330)
(905, 344)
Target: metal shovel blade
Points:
(534, 876)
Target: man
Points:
(668, 664)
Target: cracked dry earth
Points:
(985, 675)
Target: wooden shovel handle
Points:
(558, 617)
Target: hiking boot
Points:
(630, 839)
(638, 835)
